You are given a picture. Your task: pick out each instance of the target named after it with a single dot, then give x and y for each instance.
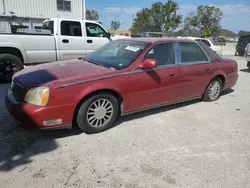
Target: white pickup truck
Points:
(66, 39)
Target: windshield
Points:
(117, 54)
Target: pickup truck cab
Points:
(67, 39)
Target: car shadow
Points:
(18, 145)
(245, 70)
(166, 108)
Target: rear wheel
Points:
(98, 113)
(213, 90)
(9, 65)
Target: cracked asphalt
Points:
(191, 145)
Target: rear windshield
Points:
(245, 38)
(213, 56)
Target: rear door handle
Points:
(65, 41)
(208, 70)
(89, 41)
(172, 74)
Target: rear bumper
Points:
(231, 81)
(31, 116)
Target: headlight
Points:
(38, 96)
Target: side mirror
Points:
(148, 64)
(108, 35)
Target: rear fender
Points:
(17, 46)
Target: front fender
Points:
(97, 87)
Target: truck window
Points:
(70, 28)
(94, 30)
(49, 25)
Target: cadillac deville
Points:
(120, 78)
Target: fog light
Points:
(52, 122)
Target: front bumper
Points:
(32, 116)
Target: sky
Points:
(236, 13)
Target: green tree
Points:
(92, 14)
(242, 32)
(227, 33)
(206, 19)
(159, 18)
(115, 25)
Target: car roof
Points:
(156, 40)
(193, 38)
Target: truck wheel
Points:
(9, 65)
(98, 113)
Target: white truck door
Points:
(96, 36)
(71, 40)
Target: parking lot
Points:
(188, 145)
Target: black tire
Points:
(207, 97)
(9, 65)
(241, 53)
(82, 120)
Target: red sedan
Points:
(122, 77)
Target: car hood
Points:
(60, 72)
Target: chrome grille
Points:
(17, 90)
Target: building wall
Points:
(32, 13)
(40, 8)
(120, 32)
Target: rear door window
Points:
(71, 28)
(191, 53)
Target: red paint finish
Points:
(71, 81)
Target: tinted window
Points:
(69, 28)
(191, 53)
(94, 30)
(245, 38)
(162, 53)
(117, 54)
(213, 56)
(206, 42)
(49, 25)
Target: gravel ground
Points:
(193, 144)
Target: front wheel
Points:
(98, 113)
(213, 90)
(9, 65)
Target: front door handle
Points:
(172, 74)
(65, 41)
(208, 70)
(89, 41)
